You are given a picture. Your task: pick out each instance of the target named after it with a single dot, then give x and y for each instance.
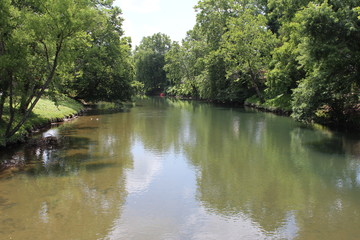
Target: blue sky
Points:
(146, 17)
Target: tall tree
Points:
(184, 65)
(42, 31)
(330, 54)
(212, 21)
(8, 18)
(104, 69)
(246, 47)
(285, 70)
(150, 61)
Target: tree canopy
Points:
(149, 59)
(51, 47)
(301, 56)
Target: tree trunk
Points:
(4, 93)
(253, 82)
(11, 109)
(2, 102)
(258, 92)
(39, 94)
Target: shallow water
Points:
(169, 169)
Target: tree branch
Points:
(41, 92)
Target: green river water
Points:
(169, 169)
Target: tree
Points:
(330, 54)
(150, 60)
(281, 12)
(284, 69)
(33, 43)
(7, 25)
(246, 47)
(184, 64)
(104, 69)
(212, 22)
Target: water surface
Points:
(169, 169)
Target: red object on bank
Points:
(162, 94)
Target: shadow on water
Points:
(65, 168)
(328, 146)
(71, 129)
(337, 144)
(91, 167)
(97, 112)
(76, 143)
(67, 157)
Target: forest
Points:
(296, 56)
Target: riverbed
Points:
(171, 169)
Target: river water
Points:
(169, 169)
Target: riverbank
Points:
(279, 105)
(45, 112)
(348, 122)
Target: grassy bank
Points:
(45, 112)
(280, 104)
(348, 120)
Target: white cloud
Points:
(139, 6)
(146, 17)
(146, 166)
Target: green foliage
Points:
(246, 47)
(137, 88)
(285, 70)
(211, 21)
(149, 59)
(357, 9)
(104, 66)
(34, 46)
(200, 66)
(280, 103)
(44, 112)
(329, 53)
(185, 66)
(45, 45)
(300, 55)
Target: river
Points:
(170, 169)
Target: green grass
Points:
(45, 111)
(108, 107)
(102, 105)
(280, 103)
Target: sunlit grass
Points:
(279, 103)
(45, 111)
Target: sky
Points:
(146, 17)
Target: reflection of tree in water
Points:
(164, 124)
(73, 192)
(256, 165)
(260, 166)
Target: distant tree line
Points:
(297, 55)
(51, 47)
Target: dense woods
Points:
(149, 59)
(296, 56)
